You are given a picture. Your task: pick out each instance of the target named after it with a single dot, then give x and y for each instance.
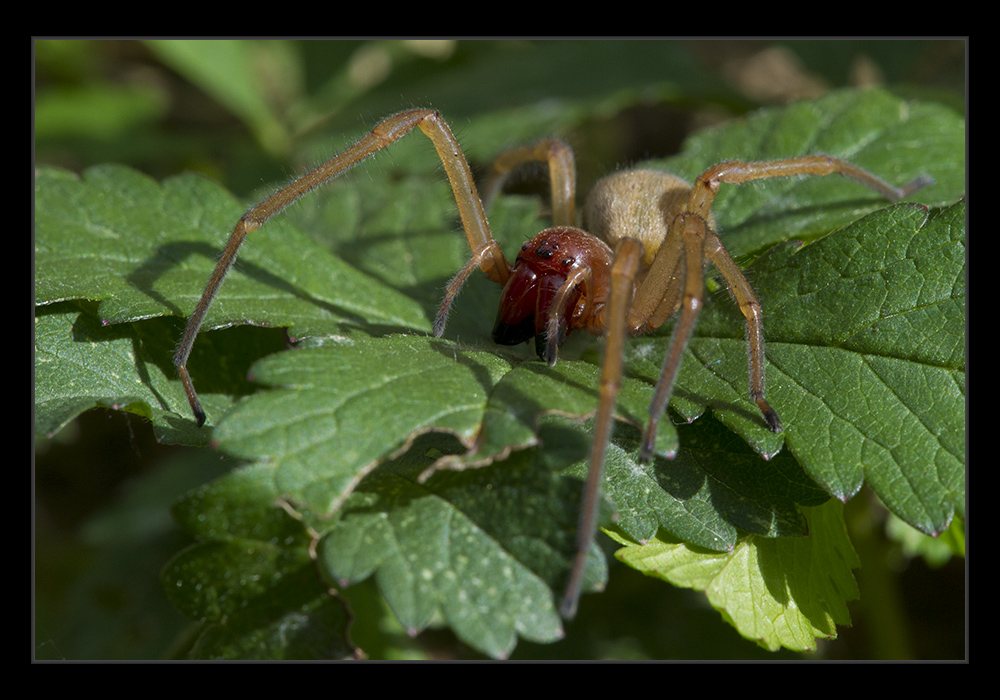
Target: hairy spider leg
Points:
(562, 176)
(562, 182)
(623, 271)
(486, 253)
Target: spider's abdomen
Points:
(542, 267)
(639, 204)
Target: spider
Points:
(637, 261)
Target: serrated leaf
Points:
(893, 138)
(81, 364)
(250, 579)
(326, 424)
(483, 549)
(865, 342)
(713, 492)
(145, 250)
(892, 378)
(784, 592)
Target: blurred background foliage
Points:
(252, 113)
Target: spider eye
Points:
(545, 250)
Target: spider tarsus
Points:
(770, 416)
(180, 361)
(554, 337)
(774, 423)
(648, 445)
(551, 352)
(918, 183)
(440, 321)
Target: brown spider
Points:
(650, 236)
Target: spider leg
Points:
(750, 306)
(693, 231)
(659, 295)
(562, 176)
(486, 253)
(735, 172)
(623, 271)
(479, 258)
(581, 275)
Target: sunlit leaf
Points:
(784, 592)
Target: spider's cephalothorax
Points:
(559, 273)
(652, 236)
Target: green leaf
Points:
(877, 383)
(714, 491)
(784, 592)
(250, 580)
(866, 350)
(144, 250)
(480, 550)
(327, 426)
(81, 363)
(893, 138)
(483, 550)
